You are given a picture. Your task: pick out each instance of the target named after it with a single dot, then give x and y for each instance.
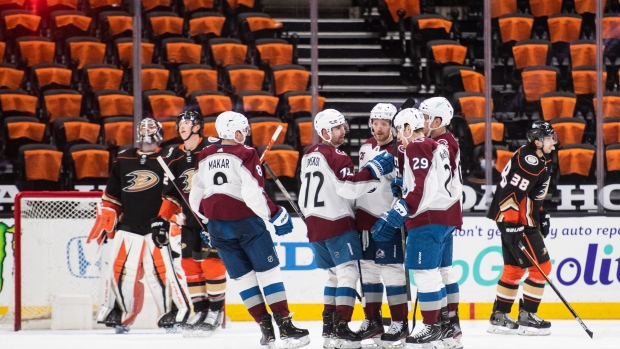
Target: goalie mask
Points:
(229, 122)
(190, 117)
(328, 119)
(381, 111)
(150, 131)
(409, 116)
(437, 107)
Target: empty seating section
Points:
(66, 77)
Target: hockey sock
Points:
(215, 273)
(429, 293)
(397, 300)
(347, 275)
(195, 284)
(274, 291)
(532, 295)
(251, 295)
(452, 294)
(506, 294)
(374, 297)
(329, 293)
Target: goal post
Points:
(52, 260)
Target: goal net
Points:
(52, 259)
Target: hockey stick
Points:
(409, 103)
(181, 192)
(535, 263)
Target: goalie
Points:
(130, 201)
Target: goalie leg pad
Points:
(124, 275)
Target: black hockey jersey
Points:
(134, 188)
(522, 189)
(182, 165)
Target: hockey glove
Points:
(381, 164)
(514, 234)
(159, 232)
(397, 186)
(104, 225)
(386, 225)
(282, 222)
(544, 223)
(204, 235)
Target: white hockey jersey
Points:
(329, 186)
(456, 188)
(371, 205)
(427, 183)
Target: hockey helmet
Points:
(193, 116)
(540, 130)
(150, 131)
(381, 111)
(411, 116)
(229, 122)
(328, 119)
(437, 107)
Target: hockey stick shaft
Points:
(535, 263)
(270, 144)
(163, 165)
(284, 191)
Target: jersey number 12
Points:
(321, 179)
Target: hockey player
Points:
(426, 195)
(438, 114)
(228, 189)
(133, 194)
(516, 209)
(381, 260)
(204, 271)
(329, 184)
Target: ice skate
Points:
(210, 325)
(447, 331)
(113, 319)
(429, 337)
(343, 336)
(502, 323)
(457, 334)
(292, 336)
(190, 326)
(328, 329)
(266, 327)
(531, 324)
(395, 336)
(121, 329)
(371, 331)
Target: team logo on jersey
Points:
(531, 159)
(141, 180)
(442, 141)
(380, 254)
(187, 177)
(362, 153)
(401, 148)
(340, 152)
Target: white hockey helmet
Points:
(409, 116)
(381, 111)
(326, 120)
(229, 122)
(437, 107)
(150, 131)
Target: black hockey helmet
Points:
(540, 130)
(193, 116)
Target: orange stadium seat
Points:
(263, 128)
(33, 49)
(39, 167)
(558, 105)
(82, 50)
(470, 104)
(112, 103)
(243, 77)
(10, 77)
(611, 130)
(162, 104)
(257, 25)
(123, 52)
(68, 131)
(299, 104)
(273, 52)
(87, 164)
(611, 104)
(154, 77)
(196, 77)
(50, 76)
(289, 77)
(210, 103)
(21, 130)
(17, 103)
(224, 51)
(575, 162)
(256, 103)
(117, 131)
(569, 130)
(477, 127)
(61, 102)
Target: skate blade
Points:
(373, 342)
(531, 331)
(502, 330)
(270, 345)
(346, 344)
(174, 329)
(289, 343)
(399, 344)
(447, 343)
(121, 329)
(458, 343)
(431, 345)
(328, 343)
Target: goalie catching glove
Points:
(282, 222)
(386, 225)
(159, 232)
(381, 164)
(104, 225)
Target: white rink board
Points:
(585, 252)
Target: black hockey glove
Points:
(514, 234)
(159, 232)
(545, 224)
